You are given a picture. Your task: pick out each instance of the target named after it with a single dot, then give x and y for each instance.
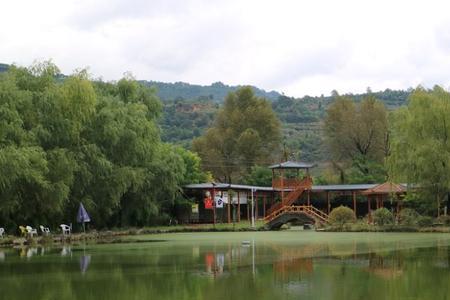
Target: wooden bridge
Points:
(302, 213)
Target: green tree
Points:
(259, 176)
(357, 136)
(420, 146)
(66, 140)
(245, 133)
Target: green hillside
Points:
(216, 91)
(301, 119)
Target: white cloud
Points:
(296, 47)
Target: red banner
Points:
(209, 203)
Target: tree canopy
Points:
(357, 133)
(246, 132)
(420, 147)
(69, 140)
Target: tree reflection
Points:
(269, 270)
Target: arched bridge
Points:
(302, 213)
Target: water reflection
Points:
(66, 251)
(261, 269)
(85, 260)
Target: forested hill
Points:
(182, 91)
(301, 118)
(215, 92)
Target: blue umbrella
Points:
(82, 216)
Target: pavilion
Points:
(291, 185)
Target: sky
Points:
(294, 47)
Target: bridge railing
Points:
(320, 214)
(306, 209)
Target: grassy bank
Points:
(359, 227)
(117, 235)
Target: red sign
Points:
(208, 203)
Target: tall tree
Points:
(420, 147)
(357, 134)
(66, 140)
(246, 132)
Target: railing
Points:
(320, 214)
(289, 183)
(274, 208)
(305, 209)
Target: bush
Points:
(182, 210)
(361, 225)
(341, 215)
(383, 216)
(425, 221)
(408, 217)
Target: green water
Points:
(269, 265)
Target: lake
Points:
(241, 265)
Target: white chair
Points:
(45, 230)
(66, 229)
(31, 231)
(2, 231)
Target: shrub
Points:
(361, 225)
(425, 221)
(341, 215)
(383, 216)
(408, 217)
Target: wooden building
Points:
(292, 192)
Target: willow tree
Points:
(420, 144)
(246, 132)
(66, 140)
(357, 134)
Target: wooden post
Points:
(328, 202)
(309, 198)
(214, 206)
(248, 208)
(264, 205)
(282, 187)
(239, 208)
(368, 208)
(397, 215)
(354, 202)
(229, 208)
(256, 205)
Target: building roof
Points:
(226, 186)
(292, 165)
(343, 187)
(386, 188)
(315, 188)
